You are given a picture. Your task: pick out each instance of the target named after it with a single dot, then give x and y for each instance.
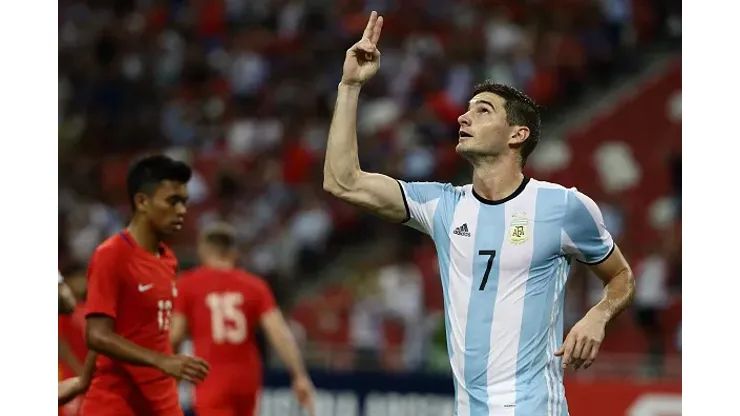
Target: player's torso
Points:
(501, 267)
(223, 316)
(144, 300)
(146, 296)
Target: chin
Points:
(170, 230)
(465, 149)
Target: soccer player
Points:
(74, 376)
(504, 244)
(72, 348)
(220, 307)
(131, 289)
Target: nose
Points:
(181, 209)
(463, 120)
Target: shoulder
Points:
(254, 282)
(250, 278)
(577, 200)
(187, 276)
(555, 194)
(191, 279)
(423, 192)
(113, 247)
(536, 183)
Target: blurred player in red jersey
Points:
(72, 348)
(220, 306)
(131, 289)
(74, 377)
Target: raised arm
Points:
(343, 178)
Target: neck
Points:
(219, 264)
(497, 179)
(143, 234)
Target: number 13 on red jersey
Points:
(164, 314)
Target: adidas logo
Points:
(462, 230)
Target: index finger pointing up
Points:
(370, 28)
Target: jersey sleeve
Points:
(421, 200)
(585, 236)
(103, 282)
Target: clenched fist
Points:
(363, 58)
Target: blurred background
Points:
(244, 91)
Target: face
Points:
(484, 130)
(166, 207)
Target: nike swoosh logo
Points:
(144, 288)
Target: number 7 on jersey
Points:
(491, 255)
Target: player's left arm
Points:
(586, 238)
(280, 337)
(619, 286)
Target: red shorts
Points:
(227, 404)
(110, 397)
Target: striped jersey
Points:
(503, 266)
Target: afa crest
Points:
(518, 232)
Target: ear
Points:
(519, 135)
(141, 201)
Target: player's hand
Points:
(363, 58)
(582, 344)
(184, 367)
(304, 392)
(70, 388)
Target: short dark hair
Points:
(521, 110)
(145, 174)
(221, 236)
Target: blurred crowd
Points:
(244, 90)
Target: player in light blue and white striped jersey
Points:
(504, 243)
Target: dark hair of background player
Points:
(521, 110)
(145, 175)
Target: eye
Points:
(176, 200)
(483, 110)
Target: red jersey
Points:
(72, 331)
(223, 309)
(136, 289)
